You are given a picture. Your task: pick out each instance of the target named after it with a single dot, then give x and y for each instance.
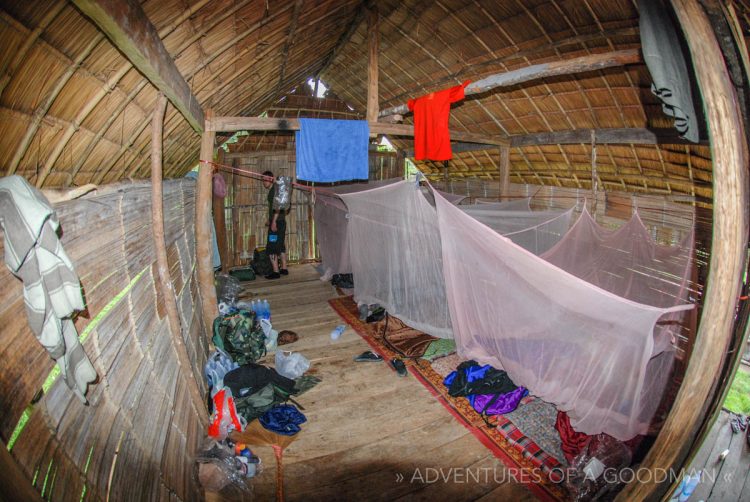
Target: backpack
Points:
(261, 262)
(241, 336)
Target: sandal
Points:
(368, 356)
(399, 366)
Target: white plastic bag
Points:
(291, 364)
(271, 335)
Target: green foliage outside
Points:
(738, 399)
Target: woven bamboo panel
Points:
(137, 436)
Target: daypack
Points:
(241, 336)
(261, 262)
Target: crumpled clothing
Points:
(284, 419)
(498, 404)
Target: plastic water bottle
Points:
(266, 310)
(337, 331)
(254, 305)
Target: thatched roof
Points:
(73, 110)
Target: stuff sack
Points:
(242, 273)
(261, 262)
(240, 335)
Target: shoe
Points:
(742, 421)
(399, 366)
(273, 275)
(376, 315)
(368, 356)
(734, 423)
(284, 271)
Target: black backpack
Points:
(261, 262)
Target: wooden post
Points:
(373, 41)
(203, 228)
(219, 223)
(594, 179)
(16, 486)
(504, 172)
(696, 407)
(164, 280)
(446, 176)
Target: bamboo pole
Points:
(689, 420)
(203, 228)
(164, 281)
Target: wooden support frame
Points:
(163, 279)
(130, 30)
(695, 408)
(232, 124)
(203, 200)
(573, 66)
(373, 43)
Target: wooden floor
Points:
(370, 435)
(728, 479)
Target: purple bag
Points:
(498, 404)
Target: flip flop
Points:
(399, 366)
(368, 356)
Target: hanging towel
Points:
(664, 58)
(431, 113)
(51, 289)
(332, 150)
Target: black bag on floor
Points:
(261, 262)
(345, 281)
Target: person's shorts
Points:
(277, 240)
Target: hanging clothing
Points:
(431, 113)
(51, 289)
(665, 60)
(332, 150)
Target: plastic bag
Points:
(272, 335)
(291, 364)
(227, 288)
(283, 197)
(218, 364)
(219, 468)
(225, 417)
(594, 472)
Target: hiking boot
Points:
(273, 275)
(284, 271)
(734, 423)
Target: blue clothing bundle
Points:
(283, 419)
(332, 150)
(489, 391)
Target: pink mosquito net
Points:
(570, 342)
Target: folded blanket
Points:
(332, 150)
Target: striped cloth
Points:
(51, 289)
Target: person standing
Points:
(276, 245)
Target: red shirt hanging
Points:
(431, 112)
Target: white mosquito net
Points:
(571, 343)
(535, 231)
(395, 255)
(508, 205)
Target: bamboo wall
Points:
(137, 437)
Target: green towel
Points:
(439, 348)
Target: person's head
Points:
(268, 180)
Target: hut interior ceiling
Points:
(74, 110)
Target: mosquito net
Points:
(395, 255)
(535, 231)
(568, 341)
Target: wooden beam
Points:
(164, 279)
(504, 172)
(373, 43)
(573, 66)
(128, 28)
(345, 37)
(231, 124)
(625, 136)
(203, 252)
(287, 44)
(15, 484)
(695, 407)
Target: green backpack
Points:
(241, 336)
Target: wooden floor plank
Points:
(365, 424)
